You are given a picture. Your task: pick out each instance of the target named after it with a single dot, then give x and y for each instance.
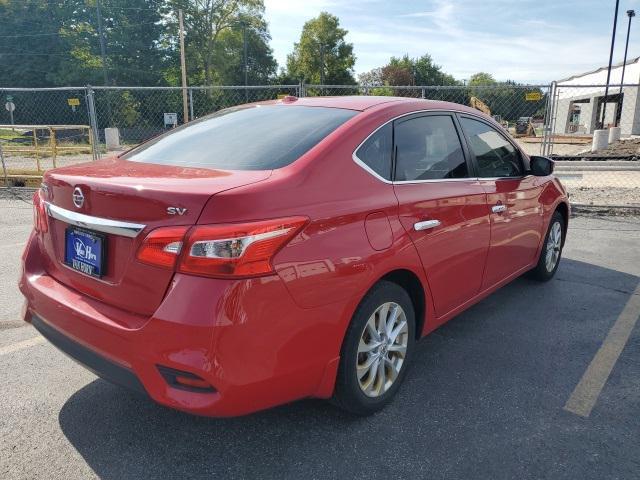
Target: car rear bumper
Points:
(246, 338)
(98, 364)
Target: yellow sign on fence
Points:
(533, 96)
(73, 102)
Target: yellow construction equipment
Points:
(478, 104)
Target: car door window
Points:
(375, 152)
(495, 155)
(428, 148)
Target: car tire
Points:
(551, 250)
(376, 350)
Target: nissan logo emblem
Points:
(78, 197)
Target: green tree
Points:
(404, 70)
(57, 43)
(207, 25)
(322, 53)
(481, 78)
(229, 58)
(506, 99)
(428, 73)
(31, 48)
(399, 71)
(136, 52)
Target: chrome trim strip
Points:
(105, 225)
(365, 167)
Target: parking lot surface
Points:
(488, 395)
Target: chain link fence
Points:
(557, 120)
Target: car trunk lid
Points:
(99, 200)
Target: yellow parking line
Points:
(586, 393)
(21, 345)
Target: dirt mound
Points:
(623, 148)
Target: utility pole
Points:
(630, 14)
(246, 71)
(613, 41)
(183, 67)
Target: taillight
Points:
(237, 250)
(40, 223)
(162, 246)
(226, 250)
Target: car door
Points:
(513, 198)
(441, 206)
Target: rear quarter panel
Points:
(332, 261)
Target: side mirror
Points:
(541, 166)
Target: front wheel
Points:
(551, 250)
(376, 350)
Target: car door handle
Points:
(426, 225)
(499, 208)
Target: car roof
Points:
(364, 102)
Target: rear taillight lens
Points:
(40, 223)
(237, 250)
(162, 247)
(228, 250)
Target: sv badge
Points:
(176, 211)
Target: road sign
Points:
(73, 102)
(9, 98)
(533, 96)
(170, 119)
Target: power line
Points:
(116, 27)
(29, 35)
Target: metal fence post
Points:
(191, 103)
(546, 127)
(93, 121)
(4, 168)
(554, 114)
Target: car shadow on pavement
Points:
(484, 399)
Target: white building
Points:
(580, 100)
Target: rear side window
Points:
(496, 157)
(428, 148)
(245, 138)
(375, 152)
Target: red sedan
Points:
(290, 249)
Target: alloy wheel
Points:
(382, 349)
(554, 243)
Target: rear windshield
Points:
(244, 138)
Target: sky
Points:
(529, 41)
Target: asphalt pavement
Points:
(487, 396)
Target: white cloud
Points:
(524, 41)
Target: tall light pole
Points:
(322, 64)
(103, 48)
(613, 42)
(246, 69)
(103, 54)
(630, 14)
(183, 68)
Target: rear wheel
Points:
(376, 350)
(551, 250)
